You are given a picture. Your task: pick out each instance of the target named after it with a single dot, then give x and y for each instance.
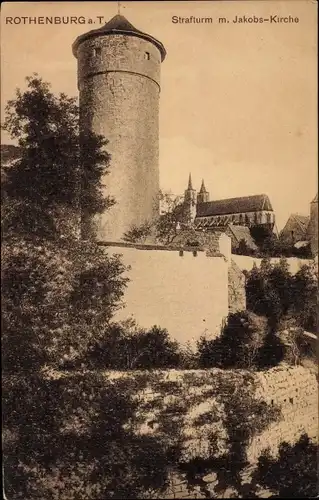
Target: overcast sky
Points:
(238, 103)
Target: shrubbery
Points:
(272, 291)
(128, 347)
(71, 436)
(58, 291)
(239, 344)
(294, 473)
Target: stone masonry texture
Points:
(236, 289)
(292, 389)
(118, 81)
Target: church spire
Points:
(190, 202)
(190, 184)
(203, 195)
(203, 188)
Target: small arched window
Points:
(97, 51)
(147, 56)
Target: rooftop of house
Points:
(243, 233)
(118, 25)
(298, 221)
(244, 204)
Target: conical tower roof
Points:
(190, 183)
(118, 25)
(203, 188)
(315, 200)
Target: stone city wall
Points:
(292, 389)
(184, 291)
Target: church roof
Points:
(118, 25)
(190, 183)
(203, 188)
(296, 222)
(243, 233)
(243, 204)
(315, 200)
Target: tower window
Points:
(97, 51)
(147, 56)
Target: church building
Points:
(246, 213)
(302, 230)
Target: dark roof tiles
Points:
(243, 204)
(116, 26)
(243, 233)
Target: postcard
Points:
(160, 249)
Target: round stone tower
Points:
(119, 86)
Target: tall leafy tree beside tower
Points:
(59, 289)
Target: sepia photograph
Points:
(159, 211)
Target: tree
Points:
(272, 291)
(267, 242)
(305, 296)
(172, 220)
(239, 344)
(294, 474)
(138, 234)
(166, 227)
(269, 290)
(67, 434)
(245, 415)
(58, 290)
(72, 437)
(243, 248)
(127, 347)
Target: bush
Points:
(305, 297)
(243, 249)
(58, 291)
(245, 416)
(72, 438)
(294, 474)
(127, 347)
(239, 344)
(272, 291)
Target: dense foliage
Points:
(272, 291)
(128, 347)
(280, 306)
(71, 434)
(294, 473)
(165, 228)
(72, 438)
(245, 417)
(58, 290)
(239, 344)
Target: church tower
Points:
(203, 195)
(119, 87)
(190, 202)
